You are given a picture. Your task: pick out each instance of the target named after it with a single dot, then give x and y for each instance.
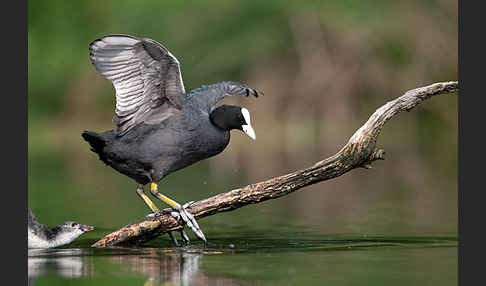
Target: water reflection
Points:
(162, 266)
(65, 263)
(159, 266)
(172, 266)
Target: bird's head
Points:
(67, 232)
(74, 228)
(228, 117)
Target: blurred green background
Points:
(325, 66)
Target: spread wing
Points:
(146, 76)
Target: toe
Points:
(192, 223)
(188, 204)
(174, 240)
(154, 215)
(175, 215)
(185, 238)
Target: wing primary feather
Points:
(144, 74)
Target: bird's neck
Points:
(57, 237)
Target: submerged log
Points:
(359, 151)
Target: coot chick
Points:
(40, 236)
(159, 128)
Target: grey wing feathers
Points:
(210, 95)
(145, 76)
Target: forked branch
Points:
(359, 151)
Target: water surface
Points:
(254, 258)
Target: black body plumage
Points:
(159, 128)
(148, 153)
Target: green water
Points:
(273, 258)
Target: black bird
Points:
(40, 236)
(159, 127)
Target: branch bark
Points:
(359, 151)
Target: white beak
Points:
(249, 131)
(247, 128)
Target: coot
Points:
(40, 236)
(159, 128)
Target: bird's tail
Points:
(97, 141)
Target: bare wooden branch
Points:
(359, 151)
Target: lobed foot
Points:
(182, 213)
(190, 222)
